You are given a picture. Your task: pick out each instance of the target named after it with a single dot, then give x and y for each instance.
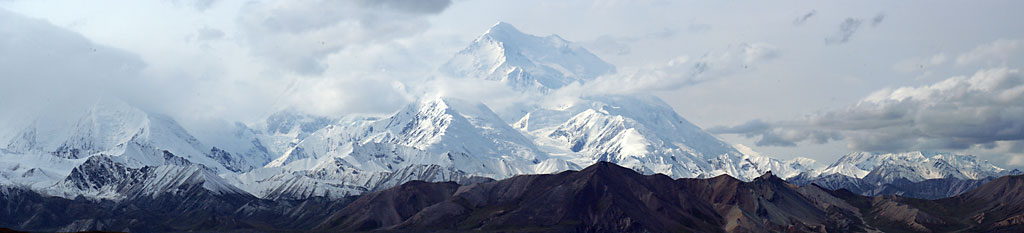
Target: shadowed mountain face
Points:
(608, 198)
(927, 189)
(601, 198)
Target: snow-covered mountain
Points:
(526, 62)
(106, 148)
(916, 174)
(285, 128)
(110, 149)
(642, 133)
(43, 151)
(447, 139)
(104, 177)
(438, 139)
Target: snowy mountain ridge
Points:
(913, 166)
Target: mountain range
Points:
(604, 197)
(457, 158)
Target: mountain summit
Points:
(526, 62)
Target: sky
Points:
(786, 78)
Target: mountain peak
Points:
(446, 105)
(605, 170)
(503, 27)
(768, 176)
(525, 62)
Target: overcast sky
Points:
(811, 78)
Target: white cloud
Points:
(681, 71)
(997, 51)
(42, 62)
(297, 35)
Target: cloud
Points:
(875, 21)
(803, 18)
(206, 33)
(846, 30)
(921, 63)
(42, 62)
(997, 51)
(957, 113)
(771, 134)
(851, 26)
(298, 35)
(608, 44)
(681, 71)
(622, 45)
(198, 5)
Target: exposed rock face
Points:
(606, 197)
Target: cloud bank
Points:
(681, 72)
(956, 113)
(43, 62)
(298, 35)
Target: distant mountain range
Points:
(911, 174)
(110, 158)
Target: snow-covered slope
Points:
(284, 129)
(643, 133)
(102, 176)
(45, 149)
(524, 61)
(112, 127)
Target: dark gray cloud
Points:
(803, 18)
(851, 26)
(409, 6)
(297, 35)
(957, 113)
(875, 21)
(847, 29)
